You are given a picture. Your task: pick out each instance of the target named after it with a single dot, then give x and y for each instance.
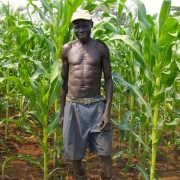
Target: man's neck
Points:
(85, 41)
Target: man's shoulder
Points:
(99, 41)
(68, 45)
(101, 45)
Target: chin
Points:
(83, 39)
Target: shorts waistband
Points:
(85, 100)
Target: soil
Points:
(168, 160)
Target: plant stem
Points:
(119, 99)
(45, 150)
(119, 108)
(140, 134)
(154, 132)
(56, 137)
(131, 126)
(7, 107)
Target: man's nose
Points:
(81, 29)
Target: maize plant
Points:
(145, 64)
(36, 51)
(154, 52)
(55, 19)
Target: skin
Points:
(84, 60)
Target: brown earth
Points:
(168, 160)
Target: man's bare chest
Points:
(80, 56)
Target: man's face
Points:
(82, 29)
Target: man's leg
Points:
(79, 172)
(107, 167)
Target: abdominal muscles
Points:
(84, 81)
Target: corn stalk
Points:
(55, 17)
(160, 52)
(6, 59)
(37, 50)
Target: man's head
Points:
(82, 24)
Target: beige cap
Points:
(81, 14)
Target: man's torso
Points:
(85, 69)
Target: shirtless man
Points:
(85, 114)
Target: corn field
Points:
(145, 60)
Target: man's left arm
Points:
(105, 123)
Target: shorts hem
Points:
(73, 158)
(101, 154)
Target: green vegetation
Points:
(145, 57)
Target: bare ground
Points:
(168, 161)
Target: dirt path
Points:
(168, 163)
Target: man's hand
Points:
(105, 123)
(61, 121)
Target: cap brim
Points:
(82, 14)
(78, 18)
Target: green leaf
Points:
(120, 8)
(47, 7)
(54, 91)
(121, 126)
(158, 99)
(40, 118)
(168, 79)
(30, 160)
(169, 32)
(110, 27)
(111, 1)
(164, 13)
(91, 7)
(1, 79)
(65, 18)
(142, 15)
(36, 75)
(54, 122)
(9, 65)
(13, 157)
(124, 124)
(143, 172)
(28, 93)
(118, 154)
(175, 122)
(139, 139)
(41, 65)
(55, 71)
(76, 3)
(154, 49)
(42, 15)
(136, 48)
(4, 147)
(135, 92)
(53, 171)
(24, 75)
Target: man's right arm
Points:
(64, 74)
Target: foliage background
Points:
(145, 59)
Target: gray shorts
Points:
(80, 129)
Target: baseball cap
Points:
(81, 14)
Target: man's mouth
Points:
(82, 36)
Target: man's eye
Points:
(82, 26)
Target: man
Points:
(85, 114)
